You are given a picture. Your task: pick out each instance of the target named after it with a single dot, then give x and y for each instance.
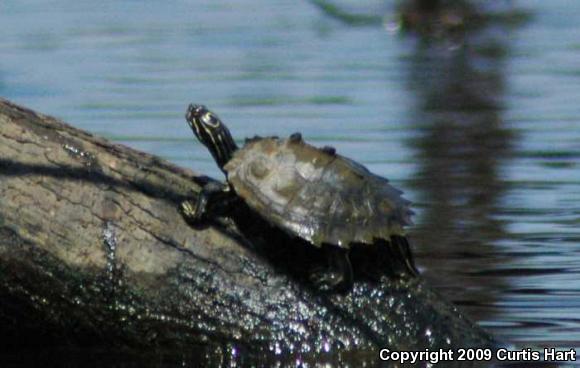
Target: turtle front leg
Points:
(338, 276)
(213, 200)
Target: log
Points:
(94, 252)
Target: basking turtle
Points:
(314, 194)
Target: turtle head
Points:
(210, 131)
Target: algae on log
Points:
(94, 251)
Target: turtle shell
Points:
(319, 196)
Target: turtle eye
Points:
(210, 119)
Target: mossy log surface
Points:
(94, 251)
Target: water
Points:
(485, 140)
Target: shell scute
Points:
(315, 194)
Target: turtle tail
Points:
(402, 249)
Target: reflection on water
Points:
(470, 238)
(462, 148)
(484, 139)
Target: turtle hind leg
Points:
(338, 275)
(402, 249)
(214, 199)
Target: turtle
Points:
(313, 194)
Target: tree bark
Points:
(93, 250)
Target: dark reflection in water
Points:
(496, 185)
(461, 147)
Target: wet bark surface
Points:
(93, 252)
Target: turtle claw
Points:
(326, 280)
(337, 276)
(188, 211)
